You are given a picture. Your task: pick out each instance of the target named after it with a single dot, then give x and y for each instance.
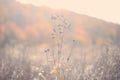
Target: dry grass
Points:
(20, 62)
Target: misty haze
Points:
(40, 43)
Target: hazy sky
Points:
(108, 10)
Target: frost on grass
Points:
(106, 66)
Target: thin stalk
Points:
(47, 58)
(53, 55)
(69, 56)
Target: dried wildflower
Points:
(47, 50)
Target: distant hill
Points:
(27, 23)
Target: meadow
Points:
(60, 61)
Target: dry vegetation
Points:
(19, 62)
